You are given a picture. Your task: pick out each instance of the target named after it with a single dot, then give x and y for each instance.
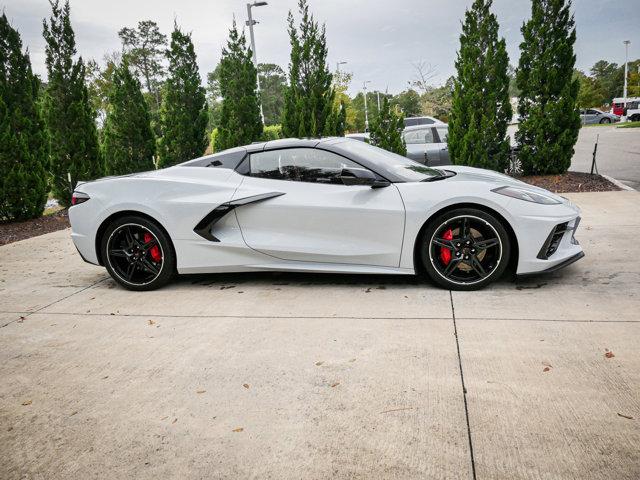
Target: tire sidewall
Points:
(169, 263)
(434, 224)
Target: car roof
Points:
(422, 127)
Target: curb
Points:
(618, 183)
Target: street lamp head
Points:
(260, 4)
(627, 42)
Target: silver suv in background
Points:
(593, 115)
(428, 143)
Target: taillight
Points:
(78, 198)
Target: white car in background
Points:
(320, 205)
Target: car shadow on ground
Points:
(303, 279)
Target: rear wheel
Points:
(465, 249)
(137, 253)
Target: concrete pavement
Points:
(618, 153)
(324, 376)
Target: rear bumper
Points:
(558, 266)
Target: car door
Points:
(592, 116)
(442, 136)
(312, 216)
(414, 140)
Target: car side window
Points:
(300, 165)
(443, 133)
(592, 112)
(418, 136)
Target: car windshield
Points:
(404, 168)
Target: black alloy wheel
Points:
(465, 249)
(137, 254)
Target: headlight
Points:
(526, 195)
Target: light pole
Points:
(366, 113)
(338, 66)
(251, 22)
(626, 69)
(378, 92)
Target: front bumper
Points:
(555, 267)
(547, 242)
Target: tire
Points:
(474, 259)
(137, 245)
(605, 120)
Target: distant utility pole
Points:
(250, 23)
(626, 69)
(378, 92)
(366, 113)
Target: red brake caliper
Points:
(155, 250)
(445, 253)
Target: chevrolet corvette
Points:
(332, 205)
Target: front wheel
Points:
(605, 120)
(465, 249)
(137, 253)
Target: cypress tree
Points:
(128, 141)
(308, 102)
(23, 145)
(183, 114)
(480, 109)
(68, 116)
(549, 120)
(386, 129)
(240, 121)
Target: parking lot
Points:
(312, 376)
(618, 153)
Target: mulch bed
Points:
(13, 232)
(571, 182)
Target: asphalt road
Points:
(324, 376)
(618, 153)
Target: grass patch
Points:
(630, 125)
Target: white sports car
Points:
(330, 205)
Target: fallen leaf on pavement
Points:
(319, 363)
(628, 417)
(546, 369)
(26, 402)
(608, 353)
(151, 322)
(237, 430)
(335, 384)
(174, 420)
(200, 391)
(245, 385)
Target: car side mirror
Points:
(361, 176)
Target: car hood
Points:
(494, 179)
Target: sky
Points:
(381, 40)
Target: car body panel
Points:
(312, 226)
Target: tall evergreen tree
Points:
(68, 116)
(386, 129)
(183, 114)
(240, 121)
(128, 141)
(480, 110)
(308, 101)
(549, 120)
(23, 145)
